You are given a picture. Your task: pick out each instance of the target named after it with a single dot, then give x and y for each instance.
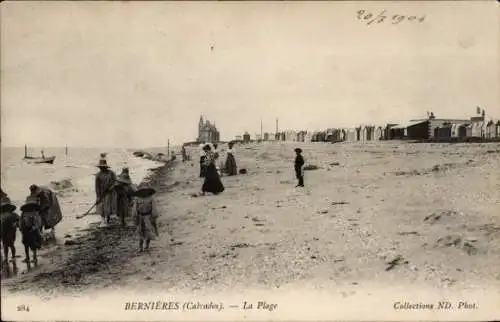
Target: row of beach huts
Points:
(431, 129)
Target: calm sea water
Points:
(78, 167)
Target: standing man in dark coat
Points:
(299, 162)
(104, 189)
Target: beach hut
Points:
(478, 126)
(497, 129)
(329, 135)
(358, 133)
(397, 132)
(455, 130)
(379, 133)
(246, 137)
(468, 130)
(308, 136)
(462, 130)
(490, 130)
(282, 136)
(343, 135)
(443, 132)
(369, 133)
(351, 135)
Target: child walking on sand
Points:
(299, 162)
(9, 224)
(30, 226)
(145, 214)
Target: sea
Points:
(71, 177)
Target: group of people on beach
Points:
(117, 195)
(40, 213)
(211, 169)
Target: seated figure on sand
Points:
(104, 190)
(145, 215)
(49, 208)
(30, 225)
(8, 224)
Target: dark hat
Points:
(34, 189)
(145, 190)
(125, 170)
(30, 204)
(207, 147)
(124, 178)
(6, 205)
(298, 150)
(102, 164)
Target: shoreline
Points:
(403, 214)
(72, 264)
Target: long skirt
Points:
(107, 206)
(202, 167)
(122, 204)
(230, 167)
(32, 239)
(212, 181)
(146, 227)
(9, 236)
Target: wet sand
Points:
(390, 213)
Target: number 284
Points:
(23, 308)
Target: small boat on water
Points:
(35, 160)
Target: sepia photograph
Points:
(250, 160)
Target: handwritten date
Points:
(370, 18)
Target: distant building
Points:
(439, 129)
(246, 137)
(207, 132)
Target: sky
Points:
(135, 74)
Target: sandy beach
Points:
(422, 215)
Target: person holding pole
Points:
(104, 184)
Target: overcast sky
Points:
(135, 74)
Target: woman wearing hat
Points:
(123, 195)
(202, 161)
(30, 225)
(230, 166)
(9, 223)
(104, 184)
(145, 215)
(299, 162)
(212, 181)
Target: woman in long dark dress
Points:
(230, 166)
(212, 181)
(202, 162)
